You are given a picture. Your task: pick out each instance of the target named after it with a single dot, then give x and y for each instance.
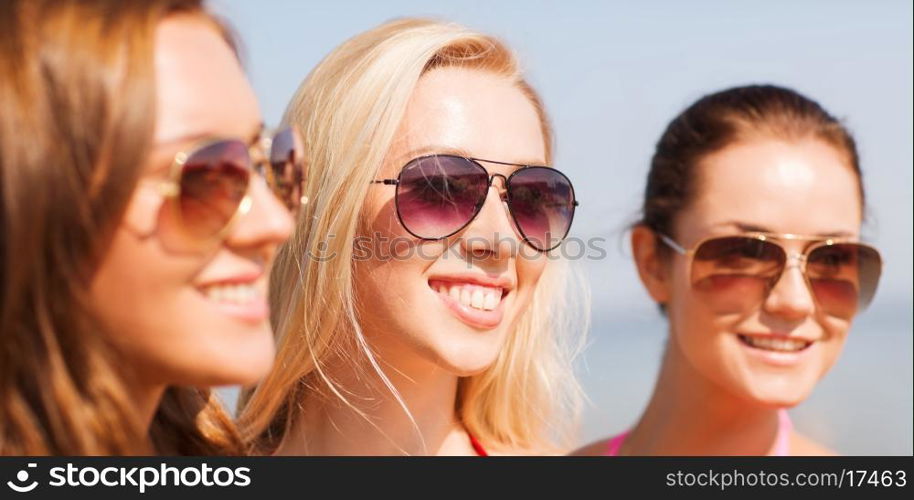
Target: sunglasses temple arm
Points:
(386, 182)
(672, 244)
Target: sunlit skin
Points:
(149, 294)
(715, 395)
(424, 344)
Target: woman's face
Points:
(191, 317)
(804, 187)
(451, 303)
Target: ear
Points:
(651, 268)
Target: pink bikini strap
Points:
(612, 449)
(782, 441)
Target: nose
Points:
(491, 234)
(267, 225)
(790, 298)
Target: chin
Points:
(468, 356)
(783, 392)
(245, 365)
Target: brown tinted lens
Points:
(736, 272)
(843, 277)
(287, 177)
(214, 180)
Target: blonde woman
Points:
(418, 306)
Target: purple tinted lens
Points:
(287, 177)
(438, 195)
(541, 200)
(214, 180)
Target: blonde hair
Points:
(348, 110)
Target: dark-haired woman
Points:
(750, 243)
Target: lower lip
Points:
(777, 358)
(255, 312)
(477, 318)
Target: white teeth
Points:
(474, 296)
(478, 299)
(490, 302)
(775, 343)
(233, 294)
(466, 297)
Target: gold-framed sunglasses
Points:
(208, 185)
(737, 272)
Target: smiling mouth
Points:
(473, 296)
(233, 293)
(242, 300)
(775, 344)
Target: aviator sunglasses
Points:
(737, 272)
(208, 185)
(438, 195)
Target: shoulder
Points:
(541, 450)
(594, 449)
(801, 445)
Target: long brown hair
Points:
(78, 100)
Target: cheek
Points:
(530, 269)
(134, 290)
(379, 215)
(703, 336)
(835, 332)
(163, 326)
(697, 328)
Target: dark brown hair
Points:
(717, 120)
(78, 109)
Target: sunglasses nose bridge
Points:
(504, 181)
(794, 259)
(790, 294)
(259, 158)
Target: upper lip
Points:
(778, 335)
(235, 278)
(502, 282)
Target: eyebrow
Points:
(450, 150)
(183, 143)
(752, 228)
(199, 136)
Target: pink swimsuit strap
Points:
(781, 441)
(612, 449)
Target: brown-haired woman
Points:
(749, 242)
(136, 236)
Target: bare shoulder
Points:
(594, 449)
(526, 452)
(801, 445)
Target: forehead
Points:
(802, 187)
(200, 86)
(471, 111)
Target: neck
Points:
(326, 425)
(147, 397)
(688, 414)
